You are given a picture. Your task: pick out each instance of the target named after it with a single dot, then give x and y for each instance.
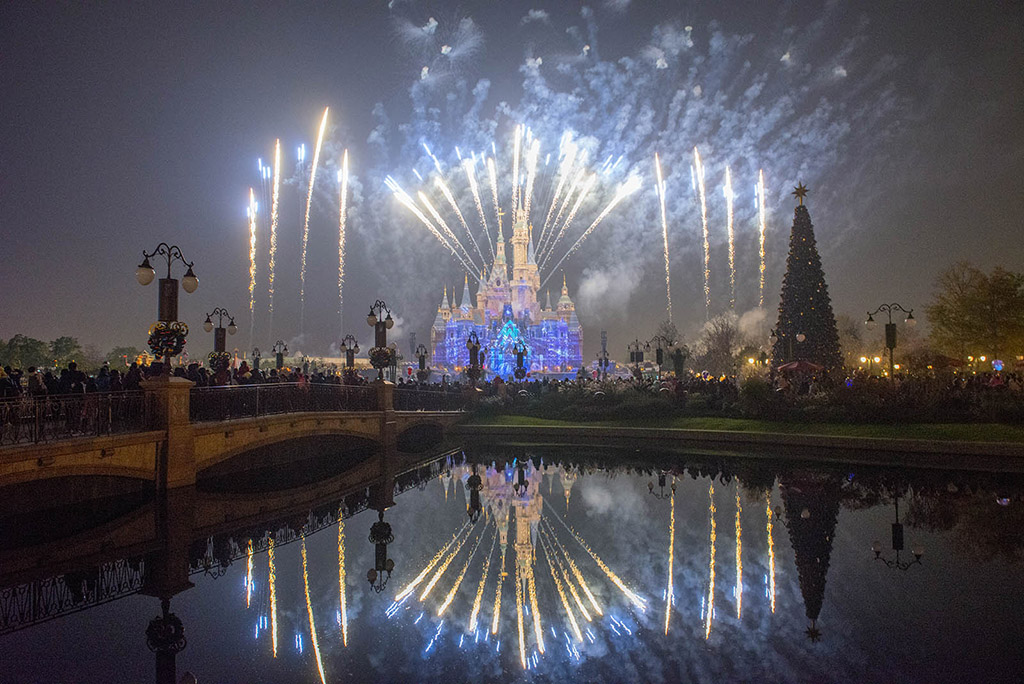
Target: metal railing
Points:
(428, 400)
(32, 420)
(250, 401)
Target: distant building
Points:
(508, 311)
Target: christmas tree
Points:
(807, 328)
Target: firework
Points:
(273, 593)
(568, 582)
(458, 580)
(309, 612)
(671, 558)
(564, 167)
(492, 176)
(447, 192)
(664, 235)
(305, 225)
(515, 168)
(760, 231)
(739, 555)
(275, 198)
(771, 551)
(538, 631)
(704, 226)
(248, 575)
(561, 591)
(531, 174)
(497, 595)
(443, 567)
(519, 615)
(453, 241)
(430, 566)
(711, 566)
(252, 262)
(732, 238)
(584, 192)
(342, 592)
(342, 216)
(480, 588)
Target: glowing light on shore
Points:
(342, 219)
(739, 555)
(699, 168)
(664, 232)
(771, 551)
(309, 612)
(671, 559)
(478, 599)
(342, 590)
(761, 230)
(275, 204)
(732, 237)
(248, 575)
(305, 225)
(409, 588)
(710, 607)
(273, 593)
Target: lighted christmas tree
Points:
(806, 329)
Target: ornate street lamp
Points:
(279, 350)
(381, 355)
(219, 336)
(350, 346)
(774, 337)
(897, 546)
(165, 636)
(660, 494)
(520, 349)
(473, 486)
(636, 356)
(476, 357)
(890, 329)
(422, 373)
(661, 343)
(255, 358)
(602, 356)
(167, 336)
(380, 536)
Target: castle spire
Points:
(467, 301)
(565, 288)
(547, 304)
(444, 299)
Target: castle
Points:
(507, 312)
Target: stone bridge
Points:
(173, 432)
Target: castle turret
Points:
(525, 274)
(467, 301)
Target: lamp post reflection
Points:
(897, 545)
(380, 537)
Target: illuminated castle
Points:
(507, 312)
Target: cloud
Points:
(536, 15)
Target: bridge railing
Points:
(32, 420)
(428, 400)
(250, 401)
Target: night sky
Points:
(124, 125)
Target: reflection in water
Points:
(709, 606)
(273, 593)
(248, 575)
(739, 554)
(771, 551)
(309, 610)
(342, 592)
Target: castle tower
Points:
(494, 294)
(525, 273)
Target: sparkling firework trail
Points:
(492, 176)
(564, 169)
(342, 592)
(761, 230)
(561, 591)
(771, 551)
(554, 235)
(704, 226)
(444, 566)
(739, 555)
(515, 169)
(409, 204)
(480, 588)
(732, 238)
(531, 174)
(711, 567)
(497, 593)
(664, 235)
(568, 582)
(519, 615)
(309, 611)
(248, 575)
(584, 192)
(575, 571)
(538, 631)
(468, 166)
(634, 598)
(342, 217)
(447, 192)
(273, 593)
(462, 574)
(625, 190)
(305, 225)
(252, 263)
(273, 228)
(454, 241)
(671, 558)
(409, 588)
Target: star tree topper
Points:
(800, 191)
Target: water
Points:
(840, 614)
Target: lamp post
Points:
(350, 346)
(602, 356)
(476, 357)
(659, 351)
(775, 335)
(422, 373)
(660, 494)
(279, 350)
(220, 332)
(380, 355)
(520, 349)
(897, 545)
(473, 486)
(167, 335)
(890, 329)
(256, 359)
(380, 537)
(636, 356)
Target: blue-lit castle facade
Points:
(506, 312)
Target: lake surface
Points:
(580, 567)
